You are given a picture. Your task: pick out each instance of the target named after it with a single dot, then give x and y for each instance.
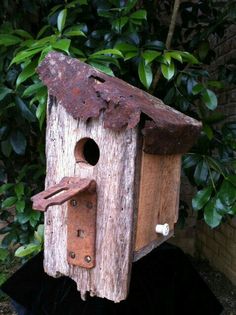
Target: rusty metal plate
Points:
(84, 92)
(61, 192)
(81, 229)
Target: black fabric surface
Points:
(162, 283)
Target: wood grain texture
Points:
(114, 174)
(158, 197)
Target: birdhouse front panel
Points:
(113, 175)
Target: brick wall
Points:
(218, 245)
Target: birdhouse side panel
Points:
(114, 174)
(158, 200)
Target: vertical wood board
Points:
(158, 197)
(114, 174)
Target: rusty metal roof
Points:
(84, 92)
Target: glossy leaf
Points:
(9, 40)
(201, 173)
(26, 73)
(145, 73)
(139, 15)
(227, 193)
(61, 20)
(211, 215)
(101, 67)
(18, 142)
(201, 198)
(150, 55)
(210, 99)
(26, 250)
(24, 109)
(156, 44)
(62, 44)
(197, 89)
(4, 91)
(20, 206)
(23, 55)
(9, 202)
(107, 52)
(190, 160)
(168, 71)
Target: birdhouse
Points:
(113, 175)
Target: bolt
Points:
(88, 259)
(89, 204)
(72, 255)
(48, 222)
(73, 202)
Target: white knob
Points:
(163, 229)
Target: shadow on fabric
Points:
(162, 283)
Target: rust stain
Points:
(84, 92)
(81, 216)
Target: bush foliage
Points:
(127, 39)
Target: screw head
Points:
(72, 255)
(73, 202)
(89, 205)
(88, 259)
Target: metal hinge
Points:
(81, 197)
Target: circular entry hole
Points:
(87, 151)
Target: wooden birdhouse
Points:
(113, 175)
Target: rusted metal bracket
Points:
(81, 216)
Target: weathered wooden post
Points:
(113, 175)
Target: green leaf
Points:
(26, 250)
(168, 71)
(190, 160)
(63, 44)
(6, 147)
(118, 24)
(211, 215)
(9, 40)
(25, 111)
(39, 234)
(27, 72)
(32, 89)
(215, 84)
(24, 55)
(150, 55)
(197, 89)
(101, 67)
(61, 19)
(145, 73)
(3, 254)
(5, 187)
(186, 56)
(139, 15)
(124, 47)
(23, 34)
(208, 131)
(18, 142)
(22, 217)
(175, 55)
(210, 99)
(9, 202)
(156, 44)
(4, 91)
(201, 198)
(107, 52)
(227, 193)
(74, 31)
(201, 173)
(20, 206)
(19, 190)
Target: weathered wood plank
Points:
(158, 198)
(114, 174)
